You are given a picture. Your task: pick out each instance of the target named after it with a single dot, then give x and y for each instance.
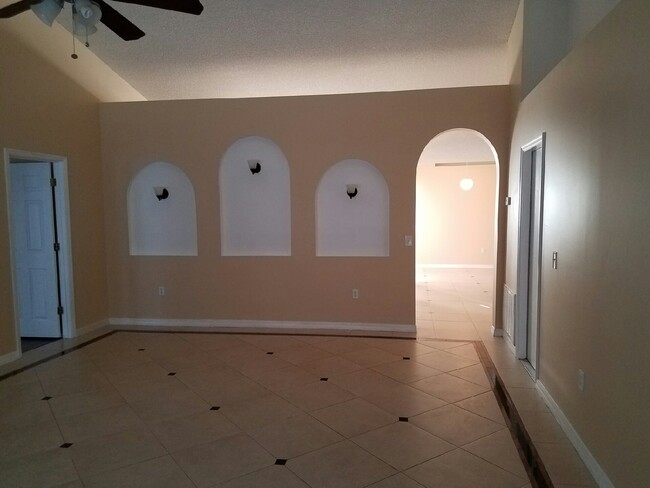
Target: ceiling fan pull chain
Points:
(74, 51)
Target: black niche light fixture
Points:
(161, 192)
(254, 165)
(352, 189)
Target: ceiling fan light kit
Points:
(87, 13)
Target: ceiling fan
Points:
(87, 13)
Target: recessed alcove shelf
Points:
(352, 204)
(162, 212)
(255, 199)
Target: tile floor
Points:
(181, 410)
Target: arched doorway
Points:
(456, 192)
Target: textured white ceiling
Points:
(241, 48)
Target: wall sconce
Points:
(352, 189)
(254, 165)
(161, 193)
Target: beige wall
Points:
(595, 109)
(455, 226)
(43, 111)
(389, 130)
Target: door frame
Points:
(60, 163)
(524, 245)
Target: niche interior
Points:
(352, 205)
(255, 199)
(162, 212)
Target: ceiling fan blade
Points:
(185, 6)
(119, 24)
(16, 8)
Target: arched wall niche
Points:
(255, 197)
(357, 226)
(161, 226)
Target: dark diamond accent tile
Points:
(281, 462)
(406, 358)
(269, 352)
(324, 379)
(65, 445)
(46, 398)
(403, 419)
(171, 374)
(215, 408)
(141, 349)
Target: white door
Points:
(33, 237)
(534, 257)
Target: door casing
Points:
(60, 163)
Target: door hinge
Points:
(59, 310)
(57, 247)
(52, 182)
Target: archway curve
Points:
(455, 158)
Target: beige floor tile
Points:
(527, 399)
(342, 345)
(76, 403)
(230, 389)
(449, 388)
(41, 469)
(189, 431)
(148, 371)
(516, 377)
(371, 356)
(222, 460)
(26, 439)
(467, 351)
(295, 436)
(456, 330)
(444, 361)
(484, 405)
(259, 364)
(564, 465)
(71, 484)
(167, 404)
(302, 353)
(184, 362)
(15, 414)
(19, 393)
(283, 379)
(406, 371)
(135, 390)
(460, 469)
(354, 417)
(77, 428)
(258, 412)
(270, 342)
(160, 472)
(475, 374)
(455, 425)
(408, 348)
(107, 453)
(270, 477)
(330, 366)
(542, 427)
(319, 394)
(363, 382)
(209, 342)
(78, 382)
(402, 445)
(499, 449)
(404, 401)
(444, 344)
(397, 481)
(342, 464)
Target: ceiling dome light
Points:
(87, 12)
(47, 10)
(467, 184)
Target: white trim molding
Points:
(397, 330)
(583, 451)
(496, 332)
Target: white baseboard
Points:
(91, 327)
(590, 461)
(400, 330)
(497, 332)
(456, 266)
(9, 357)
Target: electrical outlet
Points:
(355, 293)
(161, 291)
(581, 380)
(408, 241)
